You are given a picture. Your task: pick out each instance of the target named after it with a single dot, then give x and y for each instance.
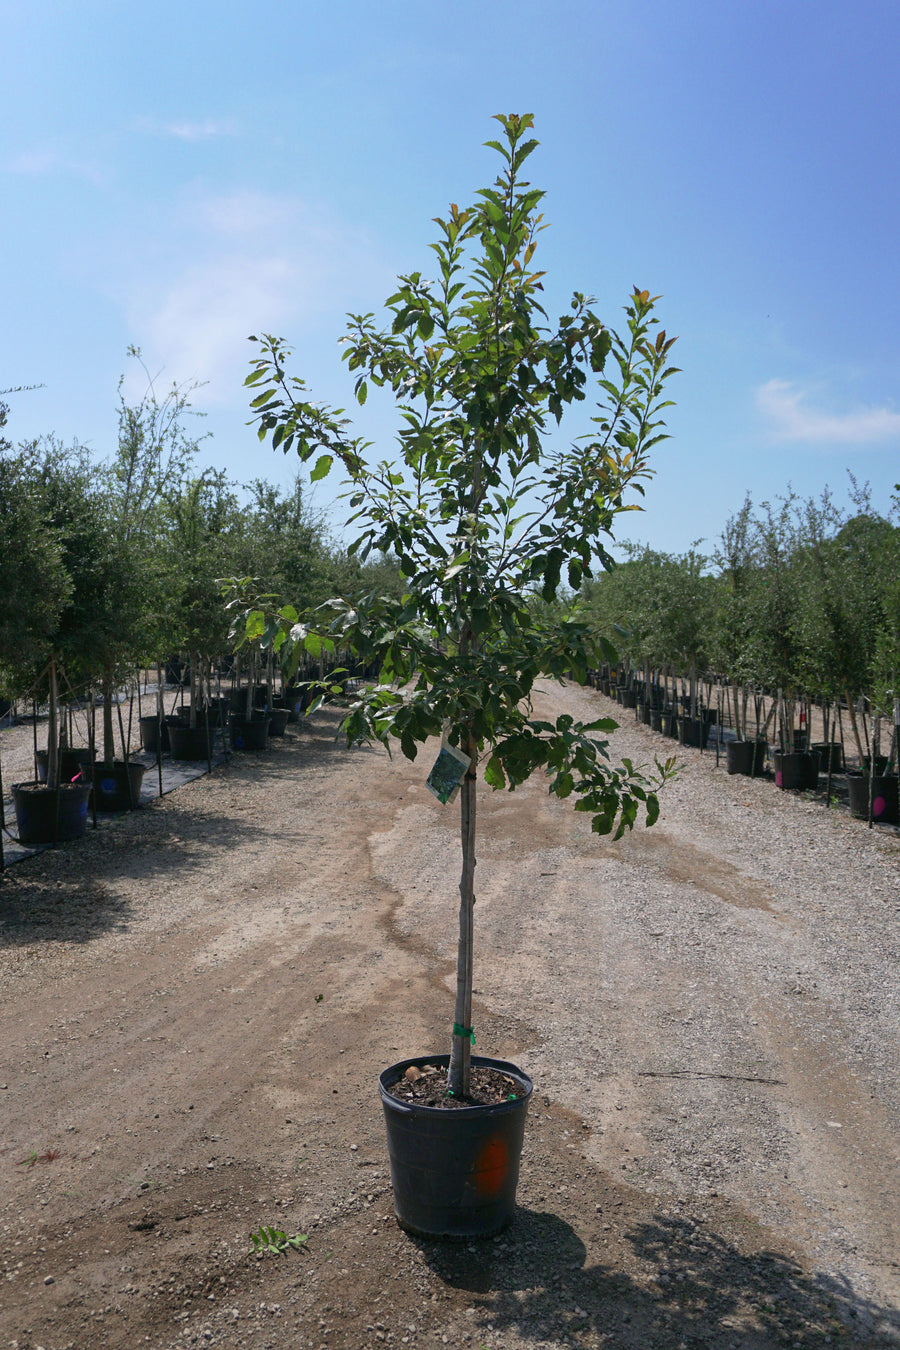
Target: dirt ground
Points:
(195, 1004)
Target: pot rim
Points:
(34, 785)
(394, 1072)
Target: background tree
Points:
(483, 508)
(202, 545)
(36, 585)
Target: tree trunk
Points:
(53, 731)
(461, 1048)
(109, 747)
(855, 726)
(196, 684)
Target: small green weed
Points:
(49, 1155)
(275, 1241)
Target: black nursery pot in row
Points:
(797, 770)
(746, 757)
(882, 790)
(47, 815)
(116, 787)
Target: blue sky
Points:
(180, 176)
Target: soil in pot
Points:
(117, 787)
(50, 815)
(72, 763)
(454, 1171)
(885, 804)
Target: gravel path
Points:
(194, 1008)
(718, 996)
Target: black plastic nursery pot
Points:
(117, 787)
(832, 750)
(278, 720)
(153, 740)
(72, 764)
(249, 734)
(797, 771)
(50, 815)
(693, 731)
(746, 757)
(211, 713)
(454, 1172)
(885, 801)
(236, 699)
(191, 743)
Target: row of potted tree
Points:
(800, 602)
(111, 567)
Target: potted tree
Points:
(147, 472)
(45, 541)
(201, 544)
(874, 792)
(734, 640)
(482, 514)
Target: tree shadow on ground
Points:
(686, 1286)
(78, 910)
(68, 894)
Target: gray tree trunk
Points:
(461, 1048)
(53, 731)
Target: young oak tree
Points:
(484, 511)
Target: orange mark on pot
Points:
(491, 1166)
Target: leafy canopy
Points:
(485, 508)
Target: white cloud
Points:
(791, 418)
(220, 267)
(199, 323)
(40, 163)
(248, 214)
(185, 130)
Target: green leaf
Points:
(323, 465)
(493, 773)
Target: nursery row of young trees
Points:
(801, 596)
(110, 567)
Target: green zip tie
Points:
(468, 1032)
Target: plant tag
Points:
(447, 774)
